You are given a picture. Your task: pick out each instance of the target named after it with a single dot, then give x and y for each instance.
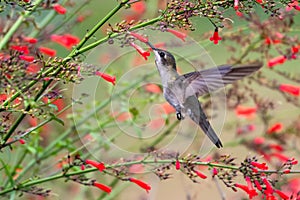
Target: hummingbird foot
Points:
(179, 116)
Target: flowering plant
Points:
(43, 54)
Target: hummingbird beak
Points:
(153, 48)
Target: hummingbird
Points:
(182, 91)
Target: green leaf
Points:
(55, 118)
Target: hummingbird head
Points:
(164, 59)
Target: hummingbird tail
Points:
(209, 131)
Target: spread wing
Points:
(202, 82)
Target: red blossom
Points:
(177, 165)
(102, 187)
(26, 58)
(167, 108)
(99, 165)
(262, 166)
(82, 167)
(245, 111)
(141, 51)
(200, 174)
(236, 5)
(277, 147)
(139, 7)
(281, 194)
(293, 161)
(269, 188)
(258, 140)
(259, 1)
(30, 40)
(80, 18)
(215, 36)
(20, 48)
(140, 183)
(286, 171)
(59, 9)
(107, 77)
(47, 51)
(276, 61)
(291, 89)
(257, 184)
(32, 69)
(251, 191)
(153, 88)
(215, 171)
(139, 37)
(238, 13)
(66, 40)
(22, 141)
(280, 156)
(295, 49)
(275, 128)
(3, 97)
(178, 34)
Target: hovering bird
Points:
(182, 91)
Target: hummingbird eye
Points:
(162, 54)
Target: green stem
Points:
(130, 163)
(98, 25)
(53, 146)
(71, 55)
(17, 24)
(91, 46)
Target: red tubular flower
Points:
(286, 171)
(282, 195)
(153, 88)
(22, 49)
(178, 34)
(47, 51)
(258, 140)
(32, 69)
(269, 188)
(82, 167)
(291, 89)
(276, 147)
(245, 111)
(59, 9)
(251, 191)
(30, 40)
(215, 171)
(99, 166)
(22, 141)
(140, 183)
(257, 184)
(215, 36)
(275, 128)
(236, 5)
(238, 13)
(177, 165)
(201, 175)
(107, 77)
(261, 166)
(259, 1)
(141, 51)
(26, 58)
(66, 40)
(276, 61)
(139, 7)
(139, 37)
(102, 187)
(295, 49)
(280, 156)
(294, 161)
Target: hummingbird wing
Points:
(193, 109)
(202, 82)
